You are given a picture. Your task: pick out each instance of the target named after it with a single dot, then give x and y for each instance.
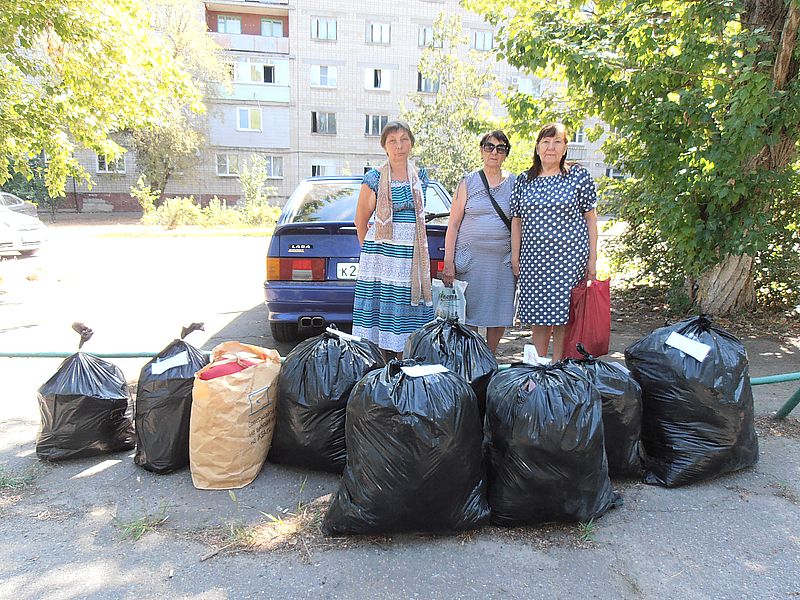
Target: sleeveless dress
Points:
(483, 254)
(382, 310)
(555, 242)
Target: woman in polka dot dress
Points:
(553, 237)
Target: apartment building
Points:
(313, 84)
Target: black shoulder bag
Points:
(496, 206)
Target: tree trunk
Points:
(727, 287)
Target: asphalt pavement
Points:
(65, 529)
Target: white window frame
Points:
(272, 23)
(579, 137)
(379, 33)
(245, 68)
(322, 123)
(251, 110)
(116, 166)
(231, 166)
(377, 78)
(274, 166)
(480, 39)
(319, 170)
(615, 173)
(324, 28)
(427, 86)
(222, 24)
(374, 124)
(426, 37)
(323, 76)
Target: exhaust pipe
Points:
(305, 321)
(317, 322)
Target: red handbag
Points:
(589, 319)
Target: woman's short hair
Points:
(392, 127)
(498, 135)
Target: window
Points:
(579, 137)
(426, 37)
(106, 165)
(271, 28)
(378, 33)
(319, 170)
(368, 168)
(247, 71)
(229, 24)
(430, 86)
(323, 76)
(274, 167)
(482, 40)
(615, 173)
(323, 122)
(377, 79)
(227, 165)
(374, 124)
(323, 28)
(532, 87)
(248, 119)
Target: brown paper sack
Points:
(233, 418)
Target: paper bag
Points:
(233, 417)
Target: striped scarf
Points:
(420, 262)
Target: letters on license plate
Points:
(347, 270)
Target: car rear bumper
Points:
(290, 301)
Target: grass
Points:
(136, 528)
(586, 531)
(13, 480)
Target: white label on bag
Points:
(531, 357)
(422, 370)
(180, 359)
(343, 335)
(696, 350)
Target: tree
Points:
(702, 98)
(446, 123)
(170, 145)
(72, 73)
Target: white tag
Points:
(531, 357)
(696, 350)
(180, 359)
(343, 335)
(422, 370)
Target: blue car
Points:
(312, 261)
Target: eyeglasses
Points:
(501, 148)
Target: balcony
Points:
(251, 43)
(576, 151)
(249, 6)
(254, 92)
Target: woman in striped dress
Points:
(393, 289)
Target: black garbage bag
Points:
(413, 455)
(543, 440)
(83, 410)
(622, 414)
(447, 342)
(164, 405)
(313, 388)
(697, 420)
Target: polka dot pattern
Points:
(555, 242)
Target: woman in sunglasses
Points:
(478, 241)
(554, 237)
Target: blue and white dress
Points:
(555, 242)
(382, 310)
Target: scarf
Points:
(420, 262)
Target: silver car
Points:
(20, 233)
(17, 204)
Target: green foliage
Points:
(74, 72)
(147, 196)
(136, 528)
(218, 214)
(448, 125)
(10, 480)
(257, 211)
(700, 116)
(175, 212)
(29, 187)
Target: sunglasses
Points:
(501, 148)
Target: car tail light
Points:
(437, 266)
(295, 269)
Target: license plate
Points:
(347, 270)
